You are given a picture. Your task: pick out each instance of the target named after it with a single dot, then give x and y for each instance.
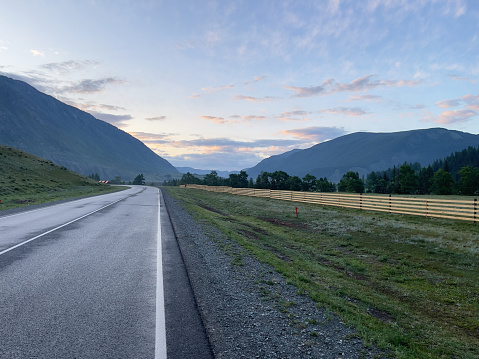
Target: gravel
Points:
(248, 309)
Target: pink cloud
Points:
(253, 99)
(296, 115)
(448, 117)
(315, 134)
(368, 98)
(219, 120)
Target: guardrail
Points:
(438, 208)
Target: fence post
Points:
(475, 209)
(389, 204)
(426, 207)
(360, 201)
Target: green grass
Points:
(26, 179)
(406, 283)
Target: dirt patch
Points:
(249, 234)
(381, 315)
(25, 201)
(208, 208)
(278, 222)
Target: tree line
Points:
(455, 174)
(278, 180)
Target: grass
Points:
(26, 179)
(406, 283)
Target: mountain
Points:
(43, 126)
(364, 152)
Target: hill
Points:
(27, 179)
(364, 152)
(39, 124)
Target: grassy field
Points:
(406, 283)
(26, 179)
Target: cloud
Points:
(214, 153)
(468, 99)
(362, 84)
(368, 98)
(153, 137)
(457, 78)
(3, 48)
(219, 120)
(248, 118)
(455, 116)
(233, 119)
(306, 91)
(94, 107)
(316, 134)
(157, 118)
(67, 66)
(352, 111)
(256, 79)
(210, 90)
(295, 115)
(418, 106)
(448, 103)
(253, 99)
(37, 53)
(91, 86)
(195, 95)
(117, 120)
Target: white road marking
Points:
(63, 225)
(160, 335)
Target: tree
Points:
(94, 176)
(188, 178)
(140, 179)
(212, 179)
(294, 183)
(323, 185)
(117, 180)
(408, 180)
(262, 181)
(469, 180)
(351, 183)
(239, 180)
(425, 180)
(278, 180)
(309, 183)
(442, 182)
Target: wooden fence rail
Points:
(439, 208)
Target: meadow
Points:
(26, 179)
(405, 283)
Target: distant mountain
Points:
(195, 171)
(366, 152)
(41, 125)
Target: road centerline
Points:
(61, 226)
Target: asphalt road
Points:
(96, 278)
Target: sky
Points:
(221, 85)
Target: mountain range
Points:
(45, 127)
(364, 152)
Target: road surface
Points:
(100, 277)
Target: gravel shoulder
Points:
(248, 309)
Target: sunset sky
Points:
(223, 84)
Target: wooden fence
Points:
(439, 208)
